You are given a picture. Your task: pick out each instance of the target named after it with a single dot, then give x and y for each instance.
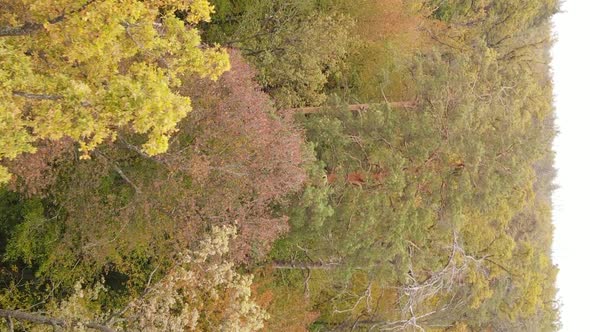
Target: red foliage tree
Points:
(34, 173)
(250, 156)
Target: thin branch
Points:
(36, 96)
(146, 290)
(500, 266)
(124, 177)
(279, 265)
(29, 27)
(41, 96)
(119, 171)
(306, 284)
(135, 148)
(22, 30)
(435, 38)
(10, 324)
(230, 169)
(47, 320)
(367, 295)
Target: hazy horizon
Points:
(571, 219)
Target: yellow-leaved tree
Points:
(85, 68)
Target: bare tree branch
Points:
(119, 171)
(36, 96)
(29, 27)
(281, 265)
(10, 324)
(47, 320)
(41, 96)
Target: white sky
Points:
(571, 248)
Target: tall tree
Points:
(407, 184)
(295, 46)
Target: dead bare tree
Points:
(447, 281)
(355, 107)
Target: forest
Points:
(276, 165)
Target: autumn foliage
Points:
(253, 154)
(363, 165)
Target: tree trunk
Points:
(22, 30)
(29, 27)
(354, 107)
(283, 265)
(39, 319)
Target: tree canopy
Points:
(363, 165)
(82, 69)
